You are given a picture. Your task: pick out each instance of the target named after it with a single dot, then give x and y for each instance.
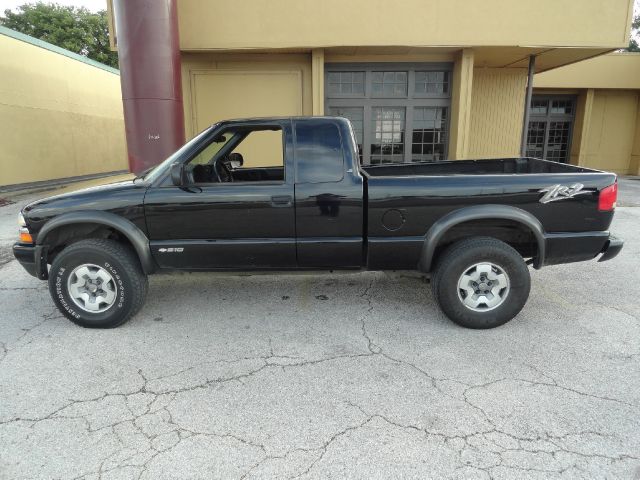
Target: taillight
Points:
(608, 197)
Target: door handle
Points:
(281, 200)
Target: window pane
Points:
(429, 136)
(562, 107)
(262, 148)
(258, 157)
(209, 152)
(388, 124)
(539, 107)
(432, 83)
(356, 117)
(345, 83)
(535, 139)
(389, 84)
(318, 153)
(558, 143)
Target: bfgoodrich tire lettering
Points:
(122, 267)
(463, 258)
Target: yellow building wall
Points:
(615, 70)
(606, 132)
(462, 92)
(634, 163)
(497, 109)
(612, 133)
(581, 124)
(223, 86)
(220, 24)
(59, 117)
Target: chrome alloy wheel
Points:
(483, 287)
(92, 288)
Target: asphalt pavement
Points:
(325, 376)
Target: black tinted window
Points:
(318, 153)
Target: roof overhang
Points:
(614, 71)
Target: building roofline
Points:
(54, 48)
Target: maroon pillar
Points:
(149, 56)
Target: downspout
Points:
(527, 106)
(150, 77)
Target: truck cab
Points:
(261, 194)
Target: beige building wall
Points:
(59, 117)
(606, 132)
(462, 23)
(612, 131)
(497, 109)
(461, 95)
(487, 103)
(223, 86)
(615, 70)
(581, 124)
(634, 163)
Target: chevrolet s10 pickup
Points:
(284, 194)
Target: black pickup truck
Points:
(284, 194)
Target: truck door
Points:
(328, 196)
(237, 212)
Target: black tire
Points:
(463, 255)
(127, 276)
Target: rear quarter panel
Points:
(422, 200)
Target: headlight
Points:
(21, 220)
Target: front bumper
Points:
(611, 249)
(33, 258)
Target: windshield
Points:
(159, 169)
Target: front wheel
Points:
(97, 283)
(481, 282)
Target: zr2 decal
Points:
(561, 192)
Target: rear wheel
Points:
(481, 282)
(97, 283)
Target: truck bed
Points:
(496, 166)
(405, 200)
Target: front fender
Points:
(479, 212)
(124, 226)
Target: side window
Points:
(262, 148)
(319, 155)
(210, 151)
(238, 155)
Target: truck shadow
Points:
(315, 298)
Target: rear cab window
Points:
(318, 152)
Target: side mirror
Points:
(236, 160)
(178, 174)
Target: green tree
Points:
(633, 43)
(71, 28)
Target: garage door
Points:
(400, 112)
(224, 94)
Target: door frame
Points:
(549, 117)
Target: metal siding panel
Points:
(497, 108)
